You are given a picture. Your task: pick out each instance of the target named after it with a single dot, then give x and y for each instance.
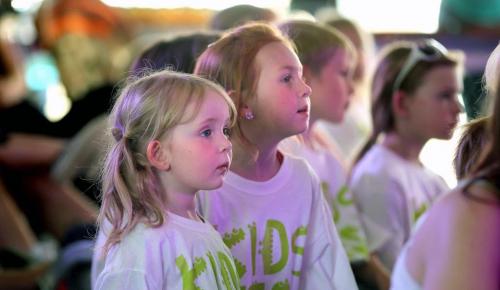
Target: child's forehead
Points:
(277, 55)
(211, 105)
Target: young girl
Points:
(415, 98)
(171, 134)
(356, 126)
(463, 252)
(329, 58)
(270, 209)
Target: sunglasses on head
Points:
(426, 50)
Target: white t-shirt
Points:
(401, 279)
(280, 231)
(393, 193)
(333, 180)
(180, 254)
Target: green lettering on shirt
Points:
(342, 196)
(240, 267)
(351, 233)
(257, 286)
(229, 276)
(325, 187)
(233, 238)
(253, 243)
(186, 273)
(300, 231)
(419, 212)
(267, 251)
(281, 285)
(214, 266)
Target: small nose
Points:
(306, 90)
(350, 88)
(225, 144)
(458, 107)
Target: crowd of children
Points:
(218, 171)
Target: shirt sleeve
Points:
(384, 212)
(325, 263)
(125, 279)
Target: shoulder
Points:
(138, 249)
(465, 234)
(144, 238)
(461, 223)
(298, 165)
(475, 209)
(373, 170)
(376, 161)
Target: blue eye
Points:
(206, 133)
(227, 131)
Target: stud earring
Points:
(249, 115)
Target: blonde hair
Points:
(146, 110)
(488, 166)
(316, 43)
(474, 137)
(230, 61)
(492, 73)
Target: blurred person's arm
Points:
(24, 151)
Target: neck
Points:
(406, 147)
(182, 204)
(255, 162)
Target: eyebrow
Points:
(212, 120)
(291, 68)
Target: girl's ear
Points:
(400, 105)
(246, 113)
(157, 156)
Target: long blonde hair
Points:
(146, 110)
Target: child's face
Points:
(282, 103)
(199, 150)
(332, 88)
(433, 109)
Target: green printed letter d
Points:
(267, 251)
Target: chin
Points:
(215, 184)
(300, 131)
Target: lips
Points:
(223, 168)
(303, 110)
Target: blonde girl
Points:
(270, 209)
(171, 139)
